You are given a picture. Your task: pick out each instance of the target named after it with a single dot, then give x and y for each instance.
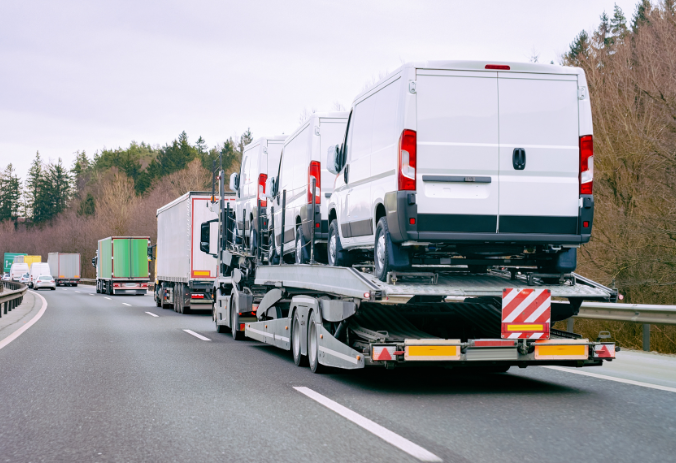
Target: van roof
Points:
(314, 116)
(261, 139)
(472, 65)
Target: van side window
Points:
(348, 133)
(385, 118)
(243, 175)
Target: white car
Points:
(25, 279)
(38, 269)
(260, 159)
(5, 277)
(44, 282)
(468, 159)
(300, 163)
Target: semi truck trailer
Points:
(65, 268)
(122, 265)
(434, 315)
(184, 276)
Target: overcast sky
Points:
(87, 75)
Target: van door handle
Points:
(345, 173)
(519, 158)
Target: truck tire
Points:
(158, 300)
(302, 251)
(336, 256)
(313, 348)
(236, 335)
(296, 334)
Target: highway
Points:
(100, 379)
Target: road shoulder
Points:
(21, 316)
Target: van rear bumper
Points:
(405, 224)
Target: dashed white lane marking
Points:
(106, 297)
(124, 303)
(30, 323)
(385, 434)
(197, 335)
(91, 294)
(79, 291)
(152, 314)
(612, 378)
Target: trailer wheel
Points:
(158, 301)
(236, 335)
(296, 333)
(313, 349)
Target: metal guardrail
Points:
(635, 313)
(11, 295)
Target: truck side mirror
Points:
(205, 232)
(333, 159)
(270, 188)
(93, 261)
(234, 181)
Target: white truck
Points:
(65, 268)
(184, 276)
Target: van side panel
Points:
(539, 114)
(457, 162)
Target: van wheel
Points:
(337, 257)
(302, 253)
(381, 252)
(252, 240)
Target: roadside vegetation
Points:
(630, 65)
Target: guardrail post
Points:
(571, 325)
(646, 337)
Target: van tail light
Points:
(262, 178)
(197, 296)
(407, 160)
(586, 165)
(314, 171)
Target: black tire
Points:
(336, 256)
(381, 251)
(313, 348)
(302, 251)
(53, 289)
(296, 334)
(75, 285)
(158, 300)
(236, 335)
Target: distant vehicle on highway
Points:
(122, 265)
(44, 282)
(17, 270)
(25, 278)
(5, 276)
(38, 269)
(64, 267)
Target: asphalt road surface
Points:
(97, 378)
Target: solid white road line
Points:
(385, 434)
(612, 378)
(90, 294)
(32, 321)
(124, 303)
(152, 314)
(198, 336)
(106, 297)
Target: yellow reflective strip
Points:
(432, 351)
(561, 350)
(524, 328)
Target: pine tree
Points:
(33, 185)
(59, 190)
(578, 49)
(201, 145)
(603, 32)
(618, 24)
(640, 18)
(10, 194)
(88, 206)
(244, 140)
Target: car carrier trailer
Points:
(436, 315)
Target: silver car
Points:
(44, 281)
(5, 277)
(25, 278)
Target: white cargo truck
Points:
(184, 275)
(65, 268)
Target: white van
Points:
(38, 269)
(16, 270)
(260, 158)
(467, 159)
(300, 163)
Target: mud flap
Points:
(334, 353)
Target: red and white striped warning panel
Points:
(526, 313)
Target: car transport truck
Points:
(434, 315)
(184, 276)
(65, 268)
(122, 265)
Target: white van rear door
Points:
(539, 115)
(457, 155)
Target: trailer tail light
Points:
(586, 165)
(116, 285)
(604, 351)
(144, 285)
(197, 296)
(262, 178)
(314, 171)
(241, 326)
(383, 353)
(407, 160)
